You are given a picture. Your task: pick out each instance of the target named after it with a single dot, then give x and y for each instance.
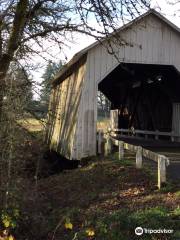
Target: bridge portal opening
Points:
(144, 95)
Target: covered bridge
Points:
(142, 75)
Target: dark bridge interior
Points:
(144, 95)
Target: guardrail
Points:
(136, 132)
(140, 152)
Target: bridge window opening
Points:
(103, 111)
(142, 96)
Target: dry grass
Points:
(103, 124)
(32, 124)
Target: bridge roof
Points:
(68, 68)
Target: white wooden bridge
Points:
(142, 75)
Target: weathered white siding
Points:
(114, 116)
(149, 41)
(63, 113)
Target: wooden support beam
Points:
(139, 156)
(136, 102)
(146, 133)
(150, 108)
(108, 146)
(172, 137)
(121, 150)
(161, 170)
(157, 135)
(99, 142)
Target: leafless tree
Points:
(26, 23)
(24, 26)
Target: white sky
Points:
(170, 11)
(166, 9)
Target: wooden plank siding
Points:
(63, 113)
(150, 40)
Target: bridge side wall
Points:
(63, 112)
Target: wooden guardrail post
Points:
(108, 146)
(139, 157)
(121, 150)
(157, 135)
(99, 142)
(161, 170)
(172, 137)
(162, 160)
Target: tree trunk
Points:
(12, 45)
(4, 65)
